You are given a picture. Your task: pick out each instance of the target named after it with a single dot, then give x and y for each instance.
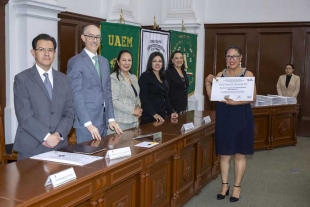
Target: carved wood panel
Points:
(204, 166)
(283, 129)
(186, 178)
(124, 194)
(159, 190)
(261, 129)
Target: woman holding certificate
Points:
(125, 92)
(234, 130)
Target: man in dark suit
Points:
(91, 85)
(43, 103)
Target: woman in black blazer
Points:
(178, 82)
(154, 91)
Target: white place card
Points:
(156, 136)
(118, 153)
(206, 120)
(61, 177)
(187, 127)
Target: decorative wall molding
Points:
(127, 12)
(37, 9)
(178, 10)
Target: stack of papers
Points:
(260, 103)
(285, 99)
(270, 100)
(66, 157)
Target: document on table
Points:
(66, 157)
(235, 88)
(146, 144)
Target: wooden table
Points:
(169, 174)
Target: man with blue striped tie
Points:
(43, 103)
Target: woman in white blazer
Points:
(288, 84)
(125, 93)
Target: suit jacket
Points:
(177, 89)
(92, 95)
(154, 97)
(37, 114)
(124, 98)
(293, 87)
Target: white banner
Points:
(153, 41)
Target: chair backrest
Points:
(4, 156)
(2, 141)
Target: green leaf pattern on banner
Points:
(187, 44)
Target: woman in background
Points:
(234, 127)
(177, 82)
(125, 92)
(154, 91)
(288, 84)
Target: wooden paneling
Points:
(2, 55)
(275, 51)
(70, 28)
(223, 40)
(267, 48)
(306, 82)
(68, 35)
(158, 187)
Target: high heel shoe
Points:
(220, 196)
(234, 199)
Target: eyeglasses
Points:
(91, 37)
(43, 50)
(234, 57)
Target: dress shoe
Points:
(220, 196)
(234, 199)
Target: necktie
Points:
(97, 65)
(48, 85)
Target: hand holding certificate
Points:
(235, 88)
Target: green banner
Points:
(187, 44)
(117, 37)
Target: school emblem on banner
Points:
(117, 37)
(187, 44)
(153, 41)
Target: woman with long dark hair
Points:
(178, 82)
(154, 91)
(125, 92)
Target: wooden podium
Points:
(275, 126)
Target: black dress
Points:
(178, 89)
(234, 128)
(154, 98)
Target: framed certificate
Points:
(235, 88)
